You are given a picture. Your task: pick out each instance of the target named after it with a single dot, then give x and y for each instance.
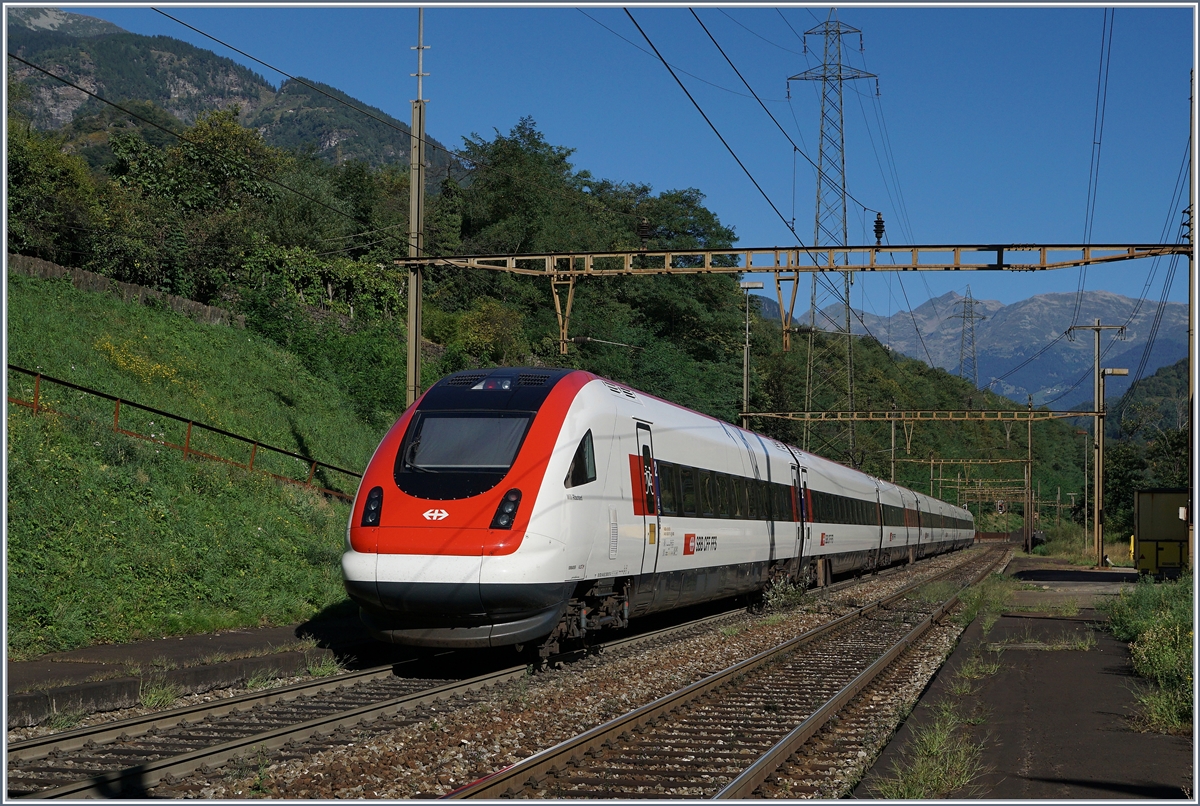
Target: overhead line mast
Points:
(416, 220)
(830, 215)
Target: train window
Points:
(451, 455)
(687, 477)
(724, 497)
(783, 503)
(583, 464)
(740, 507)
(668, 488)
(705, 493)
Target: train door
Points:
(917, 505)
(880, 518)
(799, 490)
(650, 518)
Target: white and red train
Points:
(528, 506)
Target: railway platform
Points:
(1054, 719)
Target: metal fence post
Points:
(117, 415)
(187, 440)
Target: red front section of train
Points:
(455, 480)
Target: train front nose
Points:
(438, 601)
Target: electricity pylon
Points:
(830, 224)
(967, 366)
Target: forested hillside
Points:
(175, 81)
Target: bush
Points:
(1158, 619)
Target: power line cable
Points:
(219, 155)
(764, 106)
(397, 127)
(755, 33)
(745, 170)
(680, 69)
(914, 321)
(1175, 200)
(1106, 29)
(204, 146)
(717, 132)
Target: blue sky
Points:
(988, 112)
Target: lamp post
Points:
(746, 286)
(1099, 503)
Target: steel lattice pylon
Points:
(967, 366)
(830, 228)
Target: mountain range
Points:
(1008, 335)
(185, 80)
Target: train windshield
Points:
(457, 454)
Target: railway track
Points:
(160, 751)
(129, 757)
(726, 735)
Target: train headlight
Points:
(373, 507)
(506, 513)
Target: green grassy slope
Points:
(112, 538)
(224, 377)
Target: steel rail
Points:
(745, 784)
(509, 781)
(134, 781)
(137, 726)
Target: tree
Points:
(1167, 457)
(53, 210)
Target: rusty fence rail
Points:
(193, 434)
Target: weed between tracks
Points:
(157, 694)
(326, 666)
(943, 757)
(64, 720)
